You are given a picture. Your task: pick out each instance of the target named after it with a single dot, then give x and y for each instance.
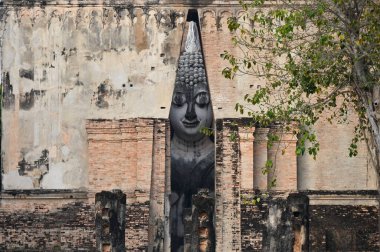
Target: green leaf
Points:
(269, 164)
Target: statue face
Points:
(190, 112)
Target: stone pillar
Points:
(260, 156)
(278, 235)
(227, 187)
(284, 158)
(144, 143)
(298, 205)
(246, 152)
(110, 221)
(287, 224)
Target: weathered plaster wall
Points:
(334, 169)
(63, 65)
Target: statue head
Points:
(191, 108)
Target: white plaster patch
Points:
(274, 216)
(54, 179)
(65, 150)
(73, 176)
(13, 180)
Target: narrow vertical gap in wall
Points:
(192, 15)
(192, 149)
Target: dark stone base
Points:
(331, 227)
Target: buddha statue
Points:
(192, 152)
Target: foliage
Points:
(207, 131)
(253, 199)
(317, 59)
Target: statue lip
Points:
(190, 124)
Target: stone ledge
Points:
(352, 200)
(325, 197)
(346, 197)
(43, 194)
(341, 192)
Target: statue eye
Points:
(202, 99)
(179, 99)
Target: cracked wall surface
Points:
(63, 65)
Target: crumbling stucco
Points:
(63, 65)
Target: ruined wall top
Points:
(82, 3)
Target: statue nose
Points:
(190, 112)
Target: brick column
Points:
(129, 148)
(144, 143)
(283, 155)
(120, 156)
(260, 156)
(105, 170)
(157, 187)
(227, 188)
(246, 157)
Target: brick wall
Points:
(331, 227)
(137, 219)
(31, 222)
(282, 154)
(120, 154)
(47, 225)
(42, 223)
(344, 228)
(253, 224)
(133, 155)
(215, 39)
